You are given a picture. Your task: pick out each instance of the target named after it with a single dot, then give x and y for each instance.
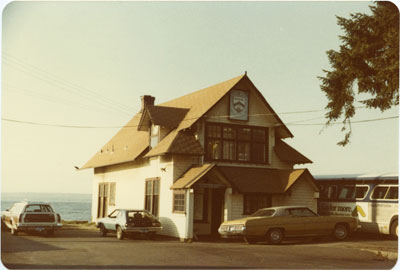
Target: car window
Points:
(393, 193)
(33, 208)
(301, 212)
(114, 214)
(263, 213)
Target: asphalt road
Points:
(85, 249)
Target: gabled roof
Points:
(287, 153)
(169, 117)
(130, 143)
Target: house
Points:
(212, 155)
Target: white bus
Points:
(371, 198)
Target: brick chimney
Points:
(147, 100)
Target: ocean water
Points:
(69, 206)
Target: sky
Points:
(73, 72)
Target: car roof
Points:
(285, 207)
(30, 203)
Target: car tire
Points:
(103, 230)
(14, 231)
(250, 240)
(275, 236)
(341, 232)
(394, 229)
(120, 233)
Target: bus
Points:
(373, 199)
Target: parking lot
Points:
(85, 249)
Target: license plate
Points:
(144, 230)
(39, 229)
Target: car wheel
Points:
(341, 232)
(103, 230)
(394, 229)
(250, 240)
(275, 236)
(14, 231)
(120, 233)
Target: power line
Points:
(64, 84)
(135, 126)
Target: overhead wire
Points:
(64, 84)
(135, 126)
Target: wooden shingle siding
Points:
(301, 193)
(237, 206)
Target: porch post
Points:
(189, 214)
(228, 204)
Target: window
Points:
(361, 192)
(112, 193)
(379, 192)
(154, 135)
(254, 202)
(301, 212)
(179, 201)
(114, 214)
(236, 143)
(347, 192)
(152, 195)
(393, 193)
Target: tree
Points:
(367, 63)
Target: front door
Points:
(217, 208)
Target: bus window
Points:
(361, 192)
(347, 192)
(332, 191)
(379, 192)
(393, 193)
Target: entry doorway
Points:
(217, 209)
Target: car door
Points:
(111, 220)
(294, 222)
(313, 223)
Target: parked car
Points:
(25, 217)
(275, 223)
(124, 221)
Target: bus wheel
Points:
(394, 229)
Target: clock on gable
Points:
(239, 105)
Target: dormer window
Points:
(154, 135)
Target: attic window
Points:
(154, 135)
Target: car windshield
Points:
(264, 213)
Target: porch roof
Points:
(263, 180)
(191, 176)
(246, 180)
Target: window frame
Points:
(236, 141)
(179, 192)
(152, 196)
(259, 195)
